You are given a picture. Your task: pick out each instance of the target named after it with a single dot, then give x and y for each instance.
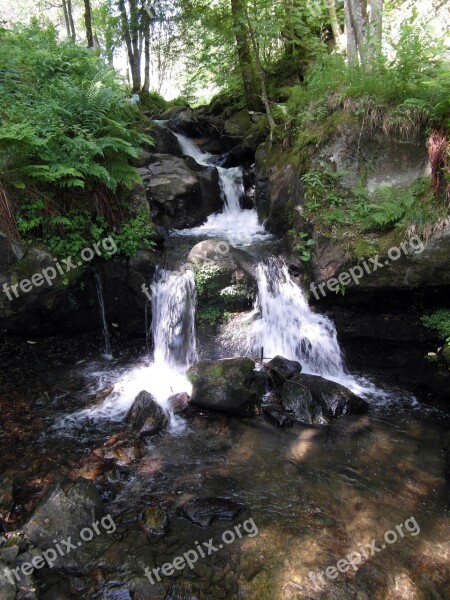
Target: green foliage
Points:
(402, 93)
(389, 207)
(440, 322)
(67, 135)
(303, 246)
(152, 102)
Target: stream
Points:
(315, 494)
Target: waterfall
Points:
(106, 340)
(288, 327)
(173, 322)
(239, 226)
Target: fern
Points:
(390, 207)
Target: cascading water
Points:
(106, 340)
(284, 324)
(239, 226)
(173, 331)
(288, 327)
(173, 323)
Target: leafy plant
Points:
(440, 322)
(304, 246)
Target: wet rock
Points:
(233, 262)
(66, 509)
(145, 416)
(7, 589)
(446, 456)
(180, 196)
(6, 492)
(105, 392)
(228, 385)
(155, 520)
(202, 511)
(142, 159)
(316, 401)
(165, 142)
(279, 191)
(274, 412)
(143, 589)
(179, 402)
(282, 369)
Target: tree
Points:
(363, 24)
(246, 60)
(88, 23)
(131, 35)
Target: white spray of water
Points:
(173, 330)
(106, 340)
(239, 226)
(284, 324)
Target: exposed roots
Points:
(7, 219)
(438, 153)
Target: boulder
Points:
(165, 142)
(446, 456)
(179, 402)
(229, 385)
(278, 192)
(238, 125)
(180, 196)
(281, 369)
(7, 589)
(195, 125)
(317, 401)
(66, 509)
(202, 511)
(234, 263)
(275, 413)
(146, 417)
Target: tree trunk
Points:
(70, 16)
(375, 30)
(131, 35)
(249, 76)
(88, 23)
(146, 85)
(262, 80)
(66, 17)
(364, 33)
(335, 27)
(352, 49)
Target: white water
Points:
(238, 226)
(285, 325)
(106, 340)
(173, 330)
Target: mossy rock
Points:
(229, 385)
(446, 355)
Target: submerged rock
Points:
(229, 385)
(446, 456)
(66, 509)
(316, 401)
(202, 511)
(155, 520)
(145, 416)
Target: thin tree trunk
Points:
(335, 27)
(70, 15)
(66, 17)
(131, 36)
(88, 23)
(262, 80)
(146, 85)
(249, 76)
(375, 29)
